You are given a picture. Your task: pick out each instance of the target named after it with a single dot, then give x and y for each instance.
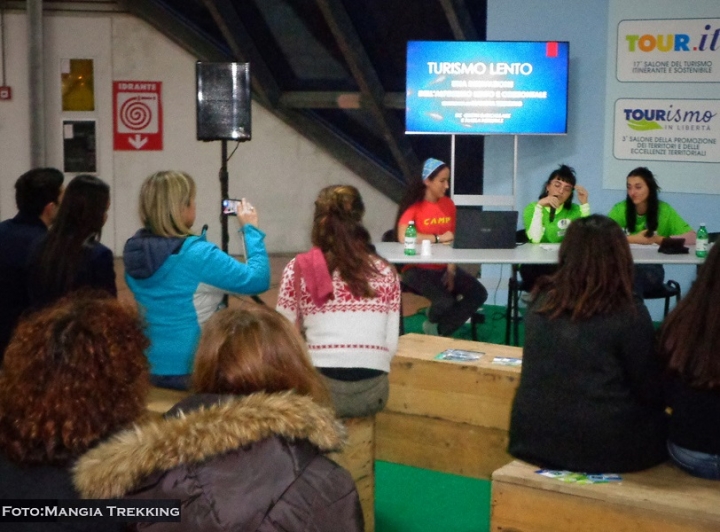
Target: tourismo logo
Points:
(666, 130)
(649, 118)
(678, 50)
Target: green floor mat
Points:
(409, 499)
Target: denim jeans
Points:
(698, 464)
(174, 382)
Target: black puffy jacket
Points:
(253, 464)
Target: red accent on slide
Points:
(551, 49)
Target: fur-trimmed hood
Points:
(115, 467)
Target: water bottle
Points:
(701, 243)
(410, 238)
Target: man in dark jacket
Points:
(37, 196)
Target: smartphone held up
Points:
(231, 206)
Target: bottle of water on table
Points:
(701, 243)
(410, 238)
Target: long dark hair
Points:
(345, 242)
(415, 193)
(689, 339)
(651, 215)
(566, 174)
(78, 223)
(586, 282)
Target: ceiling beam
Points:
(459, 19)
(177, 29)
(371, 88)
(228, 21)
(336, 100)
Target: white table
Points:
(394, 252)
(523, 254)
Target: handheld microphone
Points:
(552, 212)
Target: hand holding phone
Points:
(246, 213)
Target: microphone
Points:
(552, 212)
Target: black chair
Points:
(665, 291)
(389, 236)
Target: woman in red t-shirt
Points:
(454, 294)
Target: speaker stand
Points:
(225, 194)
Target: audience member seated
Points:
(179, 279)
(246, 452)
(74, 373)
(454, 294)
(70, 256)
(689, 341)
(346, 301)
(647, 220)
(37, 196)
(590, 396)
(547, 219)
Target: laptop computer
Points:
(479, 229)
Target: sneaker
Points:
(430, 328)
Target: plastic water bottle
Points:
(701, 243)
(410, 238)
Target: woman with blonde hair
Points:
(179, 279)
(346, 300)
(247, 451)
(74, 373)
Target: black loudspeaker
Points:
(223, 101)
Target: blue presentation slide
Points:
(487, 88)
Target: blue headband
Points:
(429, 166)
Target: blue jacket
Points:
(178, 284)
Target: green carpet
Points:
(408, 499)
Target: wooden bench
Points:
(448, 416)
(160, 400)
(661, 499)
(358, 457)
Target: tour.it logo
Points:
(674, 42)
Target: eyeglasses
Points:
(561, 186)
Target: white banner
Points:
(675, 50)
(667, 130)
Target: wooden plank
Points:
(358, 458)
(440, 445)
(520, 508)
(160, 400)
(662, 489)
(476, 392)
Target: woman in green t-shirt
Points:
(547, 219)
(647, 220)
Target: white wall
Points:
(278, 170)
